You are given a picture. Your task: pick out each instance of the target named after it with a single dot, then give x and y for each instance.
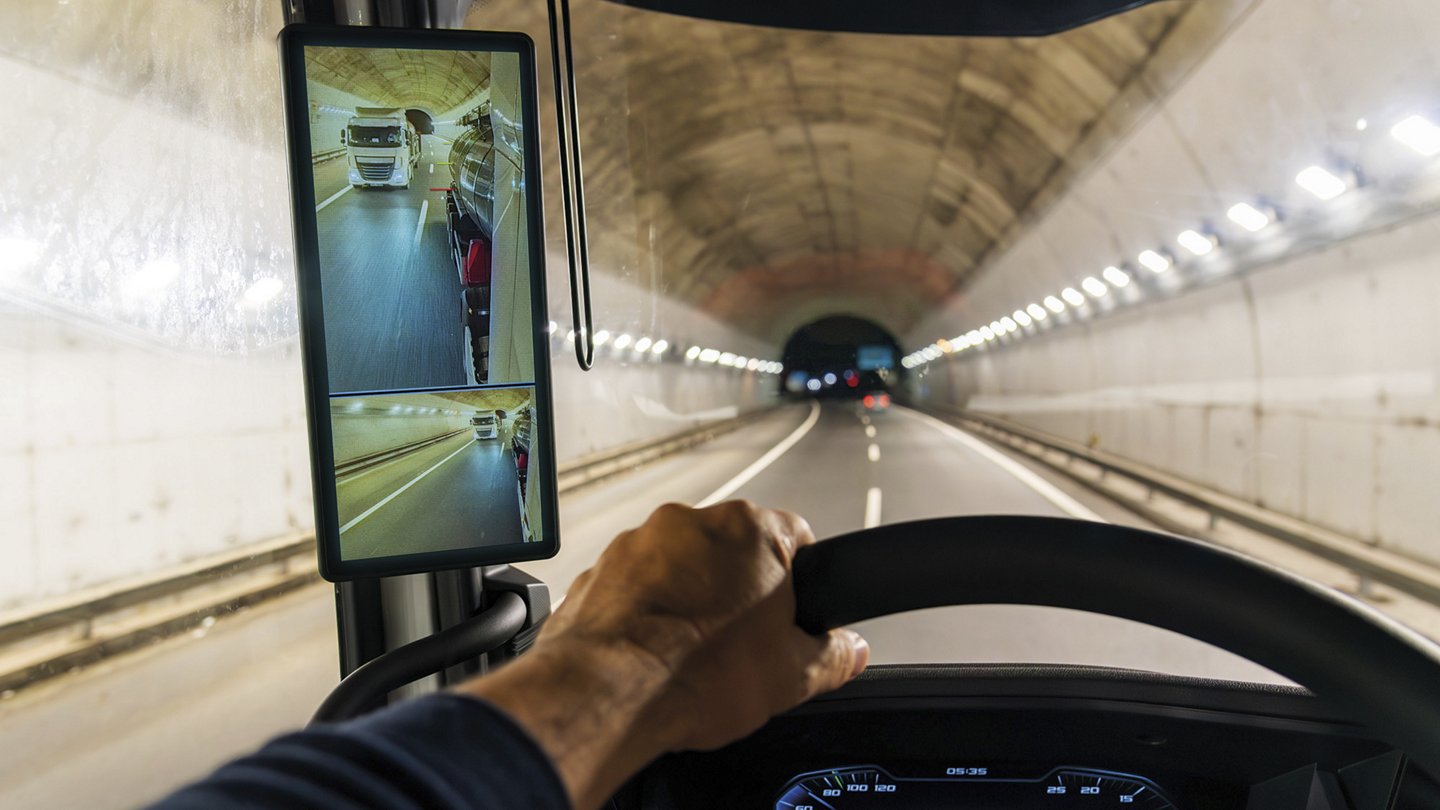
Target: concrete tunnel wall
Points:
(119, 459)
(358, 435)
(1307, 385)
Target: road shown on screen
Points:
(455, 494)
(393, 310)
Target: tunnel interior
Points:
(839, 356)
(421, 120)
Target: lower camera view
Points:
(434, 472)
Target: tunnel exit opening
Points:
(840, 356)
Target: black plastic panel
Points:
(1205, 742)
(978, 18)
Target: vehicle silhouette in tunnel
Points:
(841, 357)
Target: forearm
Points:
(594, 709)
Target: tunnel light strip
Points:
(1416, 132)
(1153, 261)
(646, 346)
(1196, 242)
(1248, 217)
(1321, 183)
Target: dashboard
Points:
(985, 737)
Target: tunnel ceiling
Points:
(781, 176)
(437, 81)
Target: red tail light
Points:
(477, 263)
(869, 400)
(884, 400)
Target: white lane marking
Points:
(432, 168)
(872, 508)
(1043, 488)
(420, 225)
(413, 481)
(869, 431)
(873, 452)
(729, 487)
(333, 197)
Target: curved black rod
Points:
(471, 638)
(572, 186)
(1366, 664)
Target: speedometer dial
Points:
(862, 788)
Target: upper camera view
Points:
(420, 213)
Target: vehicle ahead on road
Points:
(382, 148)
(485, 426)
(876, 401)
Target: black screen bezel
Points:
(293, 40)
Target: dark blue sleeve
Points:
(436, 752)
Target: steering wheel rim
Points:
(1312, 634)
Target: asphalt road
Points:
(393, 313)
(457, 493)
(127, 731)
(918, 468)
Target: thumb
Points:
(845, 655)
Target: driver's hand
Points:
(706, 595)
(682, 636)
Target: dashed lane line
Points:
(729, 487)
(333, 197)
(392, 496)
(872, 508)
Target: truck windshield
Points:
(375, 136)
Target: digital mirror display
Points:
(422, 293)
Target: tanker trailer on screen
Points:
(470, 212)
(381, 147)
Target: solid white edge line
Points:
(1023, 474)
(333, 197)
(420, 225)
(413, 481)
(729, 487)
(872, 508)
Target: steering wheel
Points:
(1380, 672)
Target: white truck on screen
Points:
(485, 425)
(382, 148)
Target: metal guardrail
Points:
(594, 467)
(92, 625)
(1399, 571)
(95, 624)
(329, 154)
(369, 460)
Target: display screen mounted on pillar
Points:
(416, 189)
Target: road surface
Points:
(134, 727)
(394, 318)
(457, 493)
